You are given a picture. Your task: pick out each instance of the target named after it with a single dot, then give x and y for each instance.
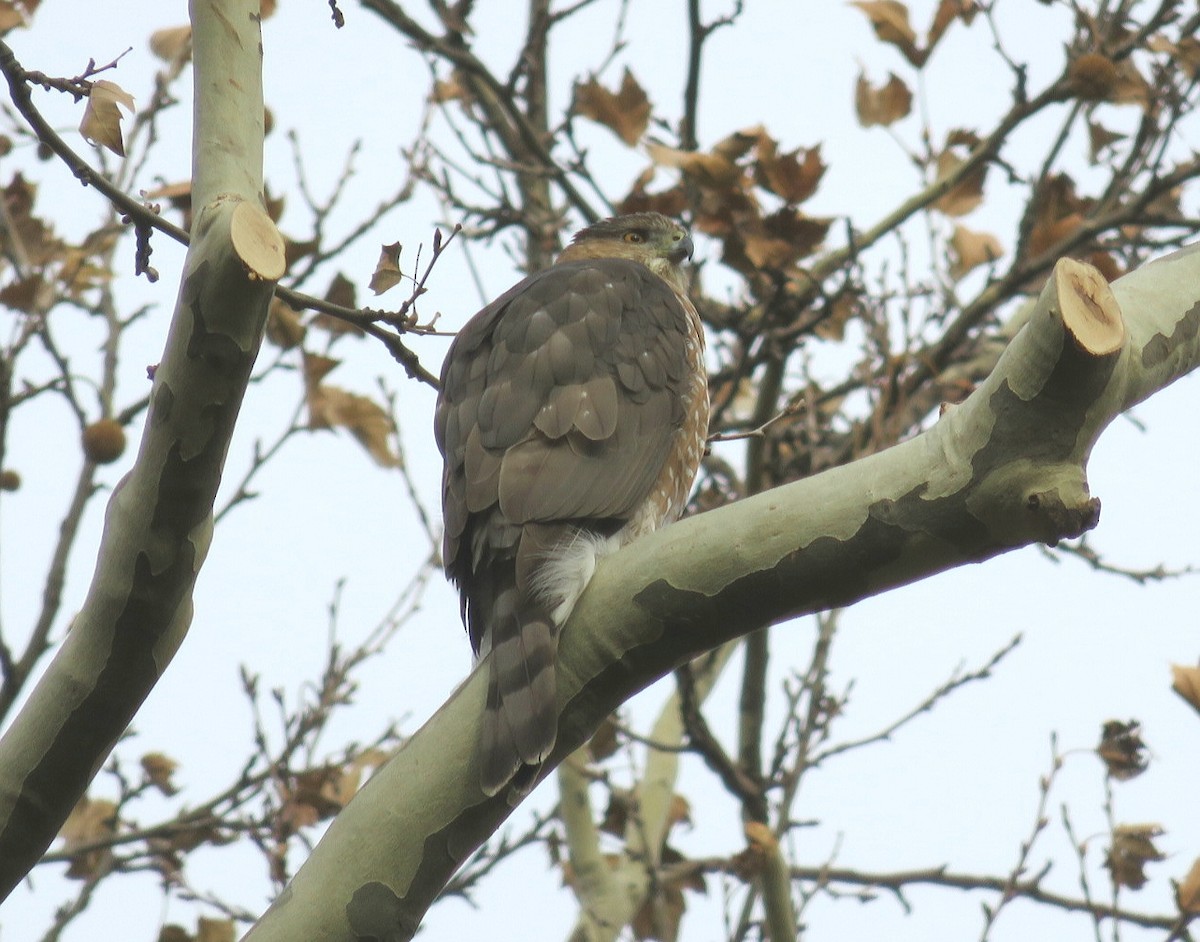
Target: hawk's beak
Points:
(682, 250)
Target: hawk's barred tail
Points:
(520, 722)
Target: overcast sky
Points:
(960, 787)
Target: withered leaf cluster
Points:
(1131, 849)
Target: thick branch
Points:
(1005, 469)
(159, 520)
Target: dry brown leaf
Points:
(101, 124)
(1049, 232)
(1185, 681)
(845, 306)
(343, 293)
(760, 835)
(883, 104)
(670, 202)
(604, 741)
(331, 407)
(659, 916)
(90, 821)
(15, 13)
(1057, 213)
(1187, 54)
(316, 368)
(625, 112)
(36, 238)
(705, 169)
(24, 294)
(760, 847)
(159, 768)
(85, 265)
(1100, 139)
(178, 196)
(889, 19)
(294, 250)
(1107, 265)
(792, 176)
(10, 17)
(964, 195)
(616, 815)
(947, 12)
(365, 419)
(1093, 77)
(214, 930)
(387, 270)
(274, 207)
(1187, 893)
(173, 44)
(284, 327)
(1131, 849)
(962, 137)
(370, 759)
(680, 812)
(774, 242)
(451, 89)
(314, 795)
(1122, 749)
(970, 249)
(1132, 88)
(739, 143)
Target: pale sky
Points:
(958, 787)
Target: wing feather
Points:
(561, 398)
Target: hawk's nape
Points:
(572, 418)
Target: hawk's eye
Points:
(634, 237)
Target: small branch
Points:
(897, 881)
(1040, 822)
(1083, 550)
(702, 740)
(145, 218)
(956, 681)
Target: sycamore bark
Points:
(159, 520)
(1005, 469)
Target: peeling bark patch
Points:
(845, 570)
(376, 914)
(1049, 434)
(164, 403)
(942, 518)
(100, 718)
(1159, 347)
(218, 351)
(161, 572)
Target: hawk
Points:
(572, 419)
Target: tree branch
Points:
(968, 489)
(159, 519)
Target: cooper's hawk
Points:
(572, 418)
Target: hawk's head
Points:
(654, 240)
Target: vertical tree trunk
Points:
(159, 519)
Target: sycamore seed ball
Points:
(10, 480)
(104, 441)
